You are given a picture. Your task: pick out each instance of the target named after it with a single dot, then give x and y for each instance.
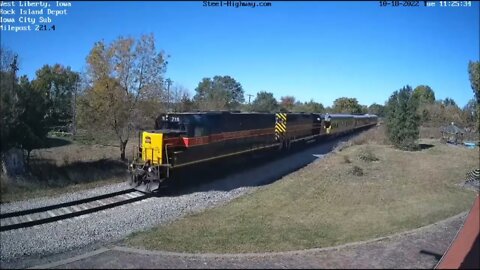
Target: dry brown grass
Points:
(375, 135)
(430, 132)
(74, 152)
(323, 204)
(46, 178)
(66, 168)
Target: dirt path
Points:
(420, 248)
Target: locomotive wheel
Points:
(147, 187)
(133, 180)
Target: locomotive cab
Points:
(148, 165)
(151, 164)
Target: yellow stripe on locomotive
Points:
(280, 125)
(152, 147)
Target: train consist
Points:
(183, 139)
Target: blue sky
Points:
(311, 50)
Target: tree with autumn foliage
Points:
(125, 84)
(287, 103)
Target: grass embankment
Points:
(348, 196)
(66, 166)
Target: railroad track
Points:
(46, 214)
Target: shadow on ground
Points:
(424, 146)
(247, 170)
(435, 255)
(47, 171)
(56, 142)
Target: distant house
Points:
(452, 134)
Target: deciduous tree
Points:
(9, 109)
(377, 109)
(424, 94)
(126, 76)
(58, 84)
(309, 107)
(180, 98)
(471, 113)
(474, 76)
(265, 102)
(346, 105)
(287, 103)
(449, 102)
(219, 93)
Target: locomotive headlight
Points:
(149, 169)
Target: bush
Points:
(357, 171)
(368, 156)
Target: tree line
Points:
(408, 108)
(30, 108)
(124, 89)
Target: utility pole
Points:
(169, 82)
(249, 96)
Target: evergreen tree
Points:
(31, 131)
(402, 121)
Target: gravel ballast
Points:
(111, 225)
(67, 197)
(108, 225)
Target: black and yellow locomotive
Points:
(183, 139)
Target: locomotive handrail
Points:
(167, 161)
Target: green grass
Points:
(324, 204)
